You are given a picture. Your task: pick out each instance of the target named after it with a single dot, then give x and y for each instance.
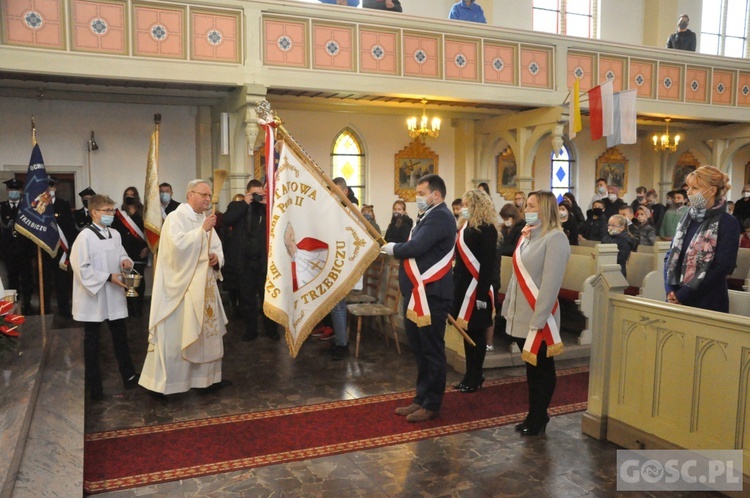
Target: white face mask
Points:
(465, 213)
(422, 204)
(698, 201)
(563, 214)
(746, 195)
(602, 190)
(509, 222)
(612, 197)
(531, 218)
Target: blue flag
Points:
(36, 211)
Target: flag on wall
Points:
(624, 112)
(600, 110)
(36, 211)
(318, 249)
(574, 113)
(152, 219)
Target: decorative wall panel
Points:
(500, 65)
(670, 82)
(613, 68)
(37, 23)
(722, 87)
(461, 59)
(642, 78)
(285, 43)
(582, 66)
(215, 36)
(536, 67)
(159, 31)
(696, 84)
(422, 55)
(379, 51)
(743, 90)
(99, 26)
(333, 47)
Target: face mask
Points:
(676, 204)
(368, 217)
(397, 214)
(509, 222)
(519, 203)
(612, 197)
(602, 190)
(257, 198)
(14, 195)
(531, 218)
(613, 231)
(698, 201)
(165, 197)
(129, 201)
(670, 202)
(597, 211)
(641, 197)
(85, 203)
(465, 212)
(746, 195)
(563, 214)
(107, 219)
(682, 25)
(52, 193)
(422, 204)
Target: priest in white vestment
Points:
(187, 321)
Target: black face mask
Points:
(682, 25)
(597, 211)
(257, 198)
(129, 201)
(397, 215)
(85, 203)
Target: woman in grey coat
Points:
(530, 307)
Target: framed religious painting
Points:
(747, 174)
(613, 167)
(686, 164)
(411, 163)
(507, 169)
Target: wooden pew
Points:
(740, 277)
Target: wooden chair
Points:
(389, 308)
(373, 277)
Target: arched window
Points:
(724, 28)
(348, 161)
(562, 173)
(565, 17)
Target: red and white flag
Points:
(600, 110)
(318, 249)
(152, 219)
(625, 131)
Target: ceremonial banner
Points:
(36, 211)
(625, 131)
(318, 249)
(601, 119)
(574, 111)
(152, 208)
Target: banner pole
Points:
(461, 331)
(41, 280)
(331, 186)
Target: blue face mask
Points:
(107, 219)
(165, 197)
(531, 218)
(14, 195)
(465, 212)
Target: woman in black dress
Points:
(473, 296)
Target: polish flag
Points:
(600, 110)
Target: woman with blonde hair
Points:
(519, 200)
(704, 248)
(473, 295)
(530, 307)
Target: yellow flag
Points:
(575, 125)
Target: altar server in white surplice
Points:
(187, 320)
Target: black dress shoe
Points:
(534, 429)
(472, 388)
(460, 385)
(218, 385)
(520, 427)
(132, 382)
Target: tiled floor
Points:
(484, 463)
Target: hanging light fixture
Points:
(422, 131)
(663, 143)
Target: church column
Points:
(524, 176)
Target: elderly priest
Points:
(187, 319)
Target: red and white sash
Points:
(63, 263)
(130, 225)
(550, 334)
(418, 311)
(470, 297)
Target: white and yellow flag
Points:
(318, 249)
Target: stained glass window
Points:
(349, 162)
(562, 173)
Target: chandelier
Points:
(663, 144)
(423, 131)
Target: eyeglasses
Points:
(106, 211)
(205, 196)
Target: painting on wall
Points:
(613, 167)
(686, 164)
(411, 163)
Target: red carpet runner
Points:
(147, 455)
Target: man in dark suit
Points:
(53, 273)
(426, 261)
(82, 217)
(165, 196)
(247, 256)
(16, 250)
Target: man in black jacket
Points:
(165, 196)
(82, 217)
(16, 250)
(63, 279)
(683, 39)
(247, 253)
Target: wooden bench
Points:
(740, 277)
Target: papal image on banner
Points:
(318, 250)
